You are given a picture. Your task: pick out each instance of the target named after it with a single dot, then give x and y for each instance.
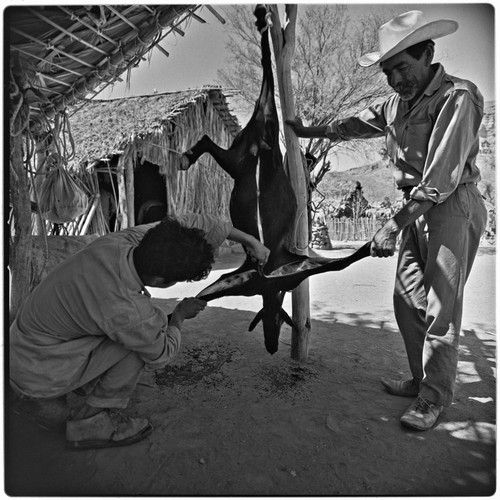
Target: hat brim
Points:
(430, 31)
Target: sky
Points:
(195, 58)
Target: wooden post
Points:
(129, 186)
(41, 168)
(20, 246)
(90, 215)
(284, 47)
(122, 209)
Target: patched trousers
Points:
(107, 380)
(434, 261)
(111, 375)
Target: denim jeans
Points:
(434, 262)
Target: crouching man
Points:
(91, 324)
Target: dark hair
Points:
(174, 252)
(416, 51)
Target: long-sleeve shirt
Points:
(432, 145)
(93, 295)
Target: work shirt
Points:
(433, 144)
(93, 295)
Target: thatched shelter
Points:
(139, 141)
(59, 55)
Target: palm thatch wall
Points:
(126, 133)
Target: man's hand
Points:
(296, 125)
(258, 252)
(318, 131)
(384, 241)
(188, 308)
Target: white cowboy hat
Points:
(404, 31)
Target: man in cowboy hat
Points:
(431, 126)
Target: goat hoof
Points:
(184, 164)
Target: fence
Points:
(346, 229)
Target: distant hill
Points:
(377, 182)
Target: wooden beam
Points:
(122, 17)
(216, 14)
(89, 26)
(66, 32)
(284, 47)
(55, 49)
(162, 50)
(44, 61)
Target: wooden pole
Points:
(20, 245)
(284, 47)
(90, 215)
(129, 186)
(41, 168)
(122, 211)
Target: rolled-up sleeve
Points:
(161, 352)
(216, 229)
(453, 136)
(368, 124)
(143, 327)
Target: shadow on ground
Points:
(230, 419)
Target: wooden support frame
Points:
(284, 48)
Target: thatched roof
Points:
(125, 133)
(59, 54)
(103, 128)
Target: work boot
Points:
(405, 388)
(421, 415)
(105, 429)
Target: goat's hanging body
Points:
(262, 201)
(263, 204)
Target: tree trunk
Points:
(41, 154)
(20, 242)
(284, 47)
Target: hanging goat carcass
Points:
(263, 204)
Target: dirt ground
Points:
(230, 419)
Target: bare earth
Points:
(230, 419)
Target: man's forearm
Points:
(411, 212)
(313, 132)
(240, 237)
(384, 240)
